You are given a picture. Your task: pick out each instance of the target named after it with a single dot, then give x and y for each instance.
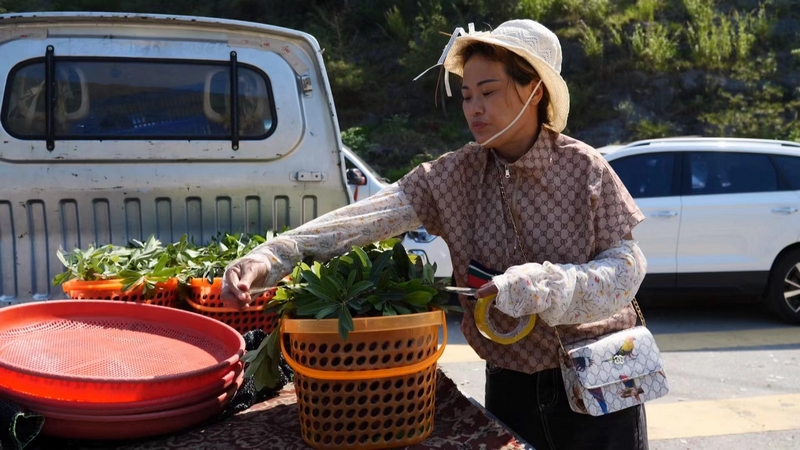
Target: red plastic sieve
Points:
(106, 351)
(135, 426)
(46, 406)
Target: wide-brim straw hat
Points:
(533, 42)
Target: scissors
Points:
(484, 324)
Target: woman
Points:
(532, 215)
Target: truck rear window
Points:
(137, 99)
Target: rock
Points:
(574, 59)
(692, 81)
(786, 28)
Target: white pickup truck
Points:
(117, 126)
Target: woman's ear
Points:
(537, 97)
(525, 91)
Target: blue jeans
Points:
(535, 406)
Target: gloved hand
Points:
(241, 277)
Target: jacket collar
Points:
(534, 162)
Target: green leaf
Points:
(359, 287)
(418, 298)
(264, 364)
(334, 285)
(310, 276)
(401, 261)
(362, 255)
(322, 292)
(428, 272)
(380, 264)
(345, 322)
(313, 308)
(327, 311)
(402, 309)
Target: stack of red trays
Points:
(112, 370)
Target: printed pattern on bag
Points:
(614, 372)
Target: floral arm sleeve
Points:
(573, 294)
(387, 213)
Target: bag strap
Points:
(525, 255)
(511, 216)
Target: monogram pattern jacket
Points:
(570, 206)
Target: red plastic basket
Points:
(203, 298)
(166, 293)
(112, 352)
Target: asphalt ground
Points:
(733, 370)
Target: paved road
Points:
(734, 375)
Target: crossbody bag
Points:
(610, 372)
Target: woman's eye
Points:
(486, 94)
(466, 99)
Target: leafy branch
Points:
(209, 261)
(140, 264)
(380, 279)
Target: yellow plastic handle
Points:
(341, 375)
(484, 324)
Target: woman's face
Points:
(492, 100)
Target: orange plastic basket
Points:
(135, 426)
(107, 351)
(203, 298)
(376, 390)
(166, 293)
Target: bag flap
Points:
(615, 357)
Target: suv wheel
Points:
(784, 287)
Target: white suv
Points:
(722, 216)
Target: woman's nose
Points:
(474, 108)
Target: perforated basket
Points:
(376, 390)
(165, 294)
(203, 298)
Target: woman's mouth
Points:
(478, 126)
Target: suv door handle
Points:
(785, 210)
(664, 214)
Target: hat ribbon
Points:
(459, 31)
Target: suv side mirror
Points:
(355, 177)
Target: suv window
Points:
(790, 166)
(137, 99)
(729, 173)
(648, 175)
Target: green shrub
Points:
(592, 43)
(426, 46)
(535, 9)
(717, 40)
(764, 111)
(594, 12)
(709, 35)
(645, 10)
(646, 129)
(396, 26)
(356, 138)
(653, 47)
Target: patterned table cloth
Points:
(460, 423)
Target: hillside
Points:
(635, 68)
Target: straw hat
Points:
(533, 42)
